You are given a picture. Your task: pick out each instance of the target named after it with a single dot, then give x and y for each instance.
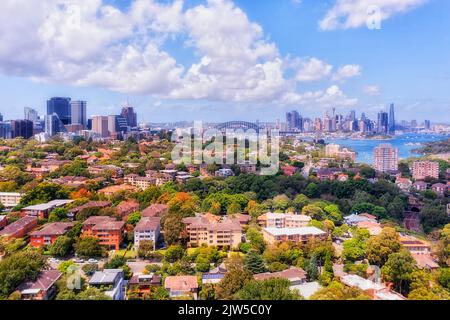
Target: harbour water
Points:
(405, 144)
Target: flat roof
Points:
(294, 231)
(48, 205)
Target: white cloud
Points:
(89, 43)
(312, 69)
(347, 71)
(347, 14)
(333, 96)
(371, 90)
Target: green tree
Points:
(173, 226)
(235, 278)
(61, 247)
(18, 267)
(146, 249)
(58, 214)
(300, 201)
(312, 190)
(89, 247)
(92, 293)
(174, 253)
(312, 269)
(254, 262)
(280, 203)
(234, 208)
(134, 218)
(379, 248)
(398, 269)
(271, 289)
(256, 239)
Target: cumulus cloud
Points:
(347, 71)
(312, 69)
(90, 43)
(371, 90)
(347, 14)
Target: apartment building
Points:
(297, 235)
(49, 233)
(386, 158)
(424, 169)
(281, 220)
(140, 182)
(223, 233)
(148, 229)
(20, 228)
(108, 230)
(43, 210)
(43, 288)
(10, 199)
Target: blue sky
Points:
(405, 62)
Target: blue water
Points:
(364, 148)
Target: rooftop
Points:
(43, 282)
(105, 277)
(148, 223)
(56, 228)
(181, 283)
(48, 206)
(294, 231)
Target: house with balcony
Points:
(49, 233)
(147, 229)
(20, 228)
(182, 286)
(43, 288)
(111, 282)
(107, 230)
(297, 235)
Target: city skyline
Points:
(315, 57)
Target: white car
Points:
(92, 261)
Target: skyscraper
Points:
(78, 112)
(22, 128)
(117, 124)
(100, 125)
(383, 122)
(53, 125)
(1, 117)
(30, 114)
(5, 130)
(392, 119)
(60, 106)
(131, 116)
(427, 124)
(385, 158)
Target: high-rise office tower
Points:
(30, 114)
(131, 116)
(1, 117)
(22, 128)
(288, 119)
(383, 122)
(117, 124)
(385, 158)
(100, 125)
(391, 119)
(53, 125)
(60, 106)
(5, 130)
(427, 124)
(78, 112)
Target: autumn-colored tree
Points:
(81, 194)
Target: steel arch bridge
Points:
(238, 125)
